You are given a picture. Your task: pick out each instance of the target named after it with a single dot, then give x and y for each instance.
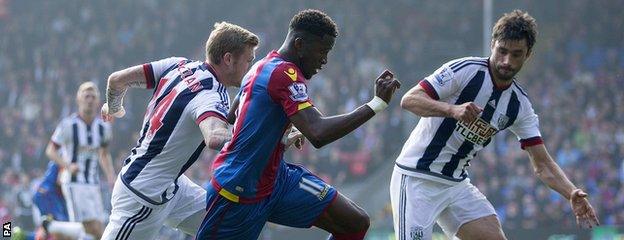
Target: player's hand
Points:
(108, 116)
(466, 112)
(584, 212)
(295, 137)
(73, 168)
(385, 85)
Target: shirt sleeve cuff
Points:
(208, 114)
(149, 75)
(429, 89)
(55, 144)
(524, 143)
(300, 106)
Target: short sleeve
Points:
(154, 70)
(287, 88)
(526, 128)
(61, 134)
(209, 104)
(449, 78)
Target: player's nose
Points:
(506, 60)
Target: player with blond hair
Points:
(187, 112)
(79, 146)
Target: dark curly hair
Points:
(516, 25)
(315, 22)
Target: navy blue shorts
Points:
(298, 199)
(51, 202)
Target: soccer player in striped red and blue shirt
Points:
(252, 184)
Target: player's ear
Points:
(298, 43)
(228, 58)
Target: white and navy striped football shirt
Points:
(185, 93)
(440, 148)
(79, 143)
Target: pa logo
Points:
(6, 229)
(417, 233)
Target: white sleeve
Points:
(209, 104)
(61, 134)
(154, 70)
(444, 82)
(526, 127)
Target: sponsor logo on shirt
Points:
(477, 132)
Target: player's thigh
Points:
(226, 220)
(189, 207)
(140, 223)
(86, 202)
(300, 198)
(50, 203)
(130, 219)
(470, 215)
(416, 204)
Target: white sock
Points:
(74, 230)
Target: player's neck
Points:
(498, 82)
(219, 73)
(288, 55)
(87, 118)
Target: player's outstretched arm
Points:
(117, 85)
(551, 174)
(215, 132)
(321, 130)
(417, 101)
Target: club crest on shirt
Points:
(444, 76)
(298, 92)
(502, 121)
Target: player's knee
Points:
(361, 221)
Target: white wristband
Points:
(377, 104)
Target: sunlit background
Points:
(574, 79)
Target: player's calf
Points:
(344, 220)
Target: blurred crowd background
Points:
(575, 79)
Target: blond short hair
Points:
(227, 37)
(91, 86)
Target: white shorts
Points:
(418, 203)
(132, 220)
(84, 202)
